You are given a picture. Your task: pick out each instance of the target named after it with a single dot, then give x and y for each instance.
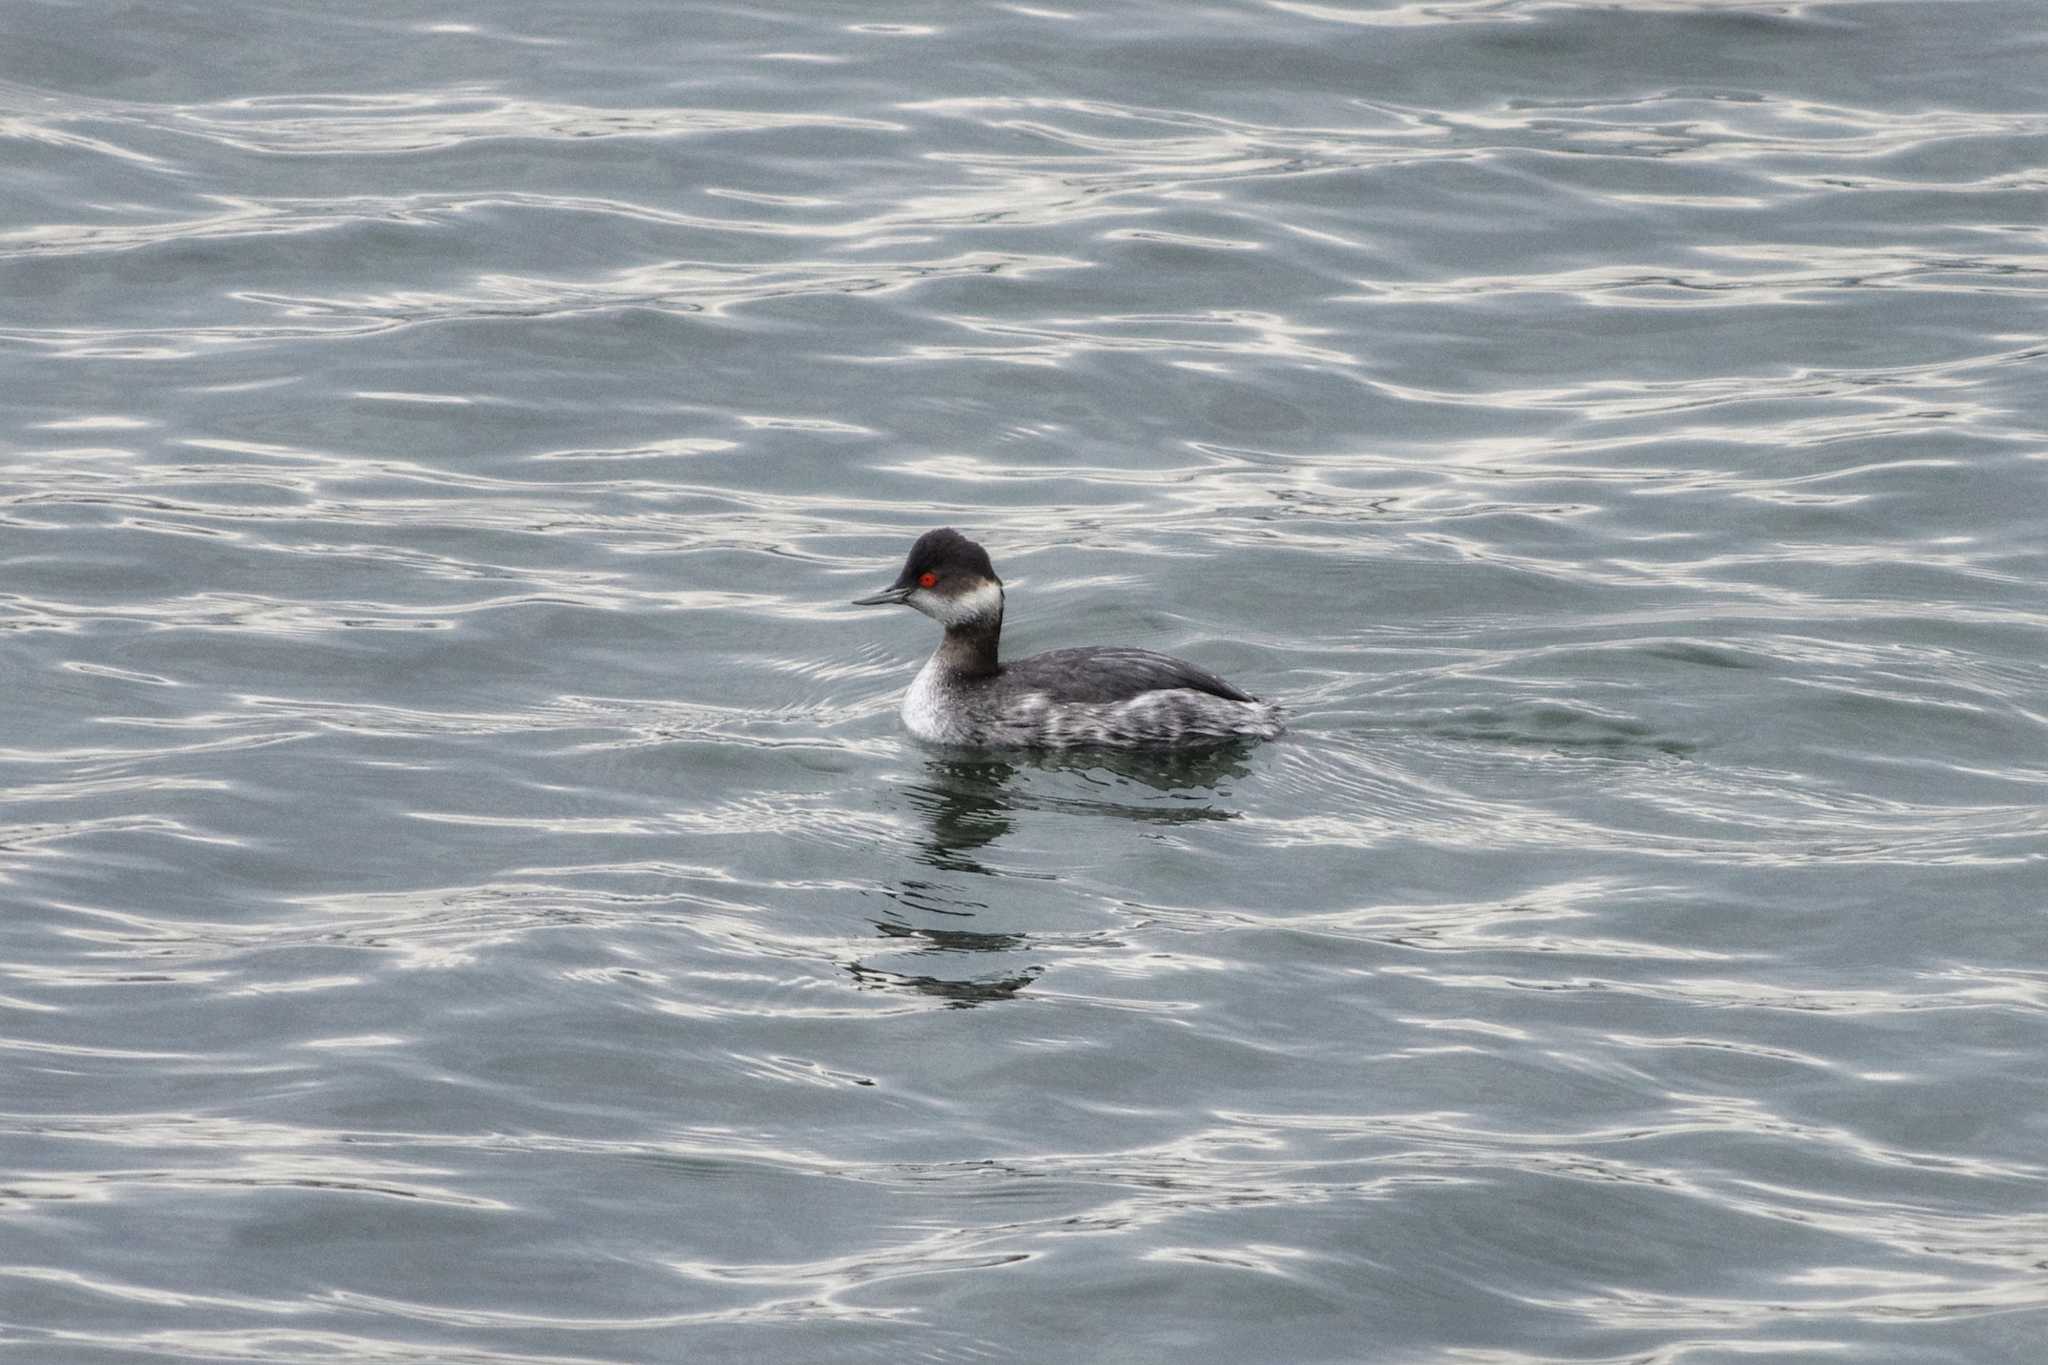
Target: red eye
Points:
(927, 579)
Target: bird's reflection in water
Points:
(969, 801)
(966, 805)
(959, 992)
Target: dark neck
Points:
(969, 651)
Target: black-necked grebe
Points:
(1067, 698)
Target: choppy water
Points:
(468, 896)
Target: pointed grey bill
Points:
(887, 597)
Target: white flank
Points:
(924, 704)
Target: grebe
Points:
(1111, 696)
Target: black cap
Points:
(944, 552)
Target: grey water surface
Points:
(468, 896)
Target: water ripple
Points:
(458, 837)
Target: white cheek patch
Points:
(982, 603)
